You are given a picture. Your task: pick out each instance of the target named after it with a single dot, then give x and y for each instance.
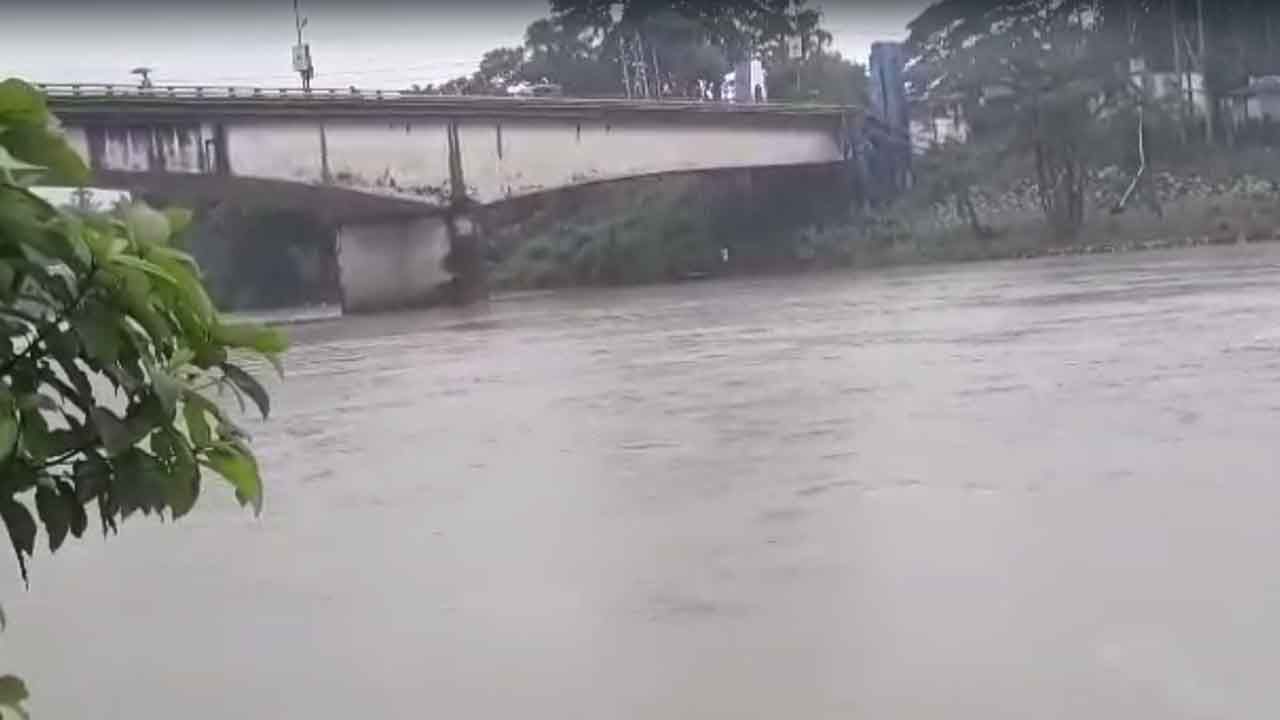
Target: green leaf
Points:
(183, 485)
(180, 359)
(7, 276)
(22, 531)
(78, 521)
(241, 471)
(136, 296)
(208, 355)
(9, 162)
(167, 388)
(253, 337)
(8, 425)
(145, 415)
(193, 293)
(13, 692)
(92, 476)
(54, 514)
(179, 219)
(96, 327)
(48, 148)
(250, 386)
(115, 434)
(35, 434)
(17, 479)
(24, 218)
(147, 226)
(140, 483)
(180, 257)
(197, 425)
(73, 236)
(66, 359)
(137, 263)
(38, 401)
(105, 246)
(22, 104)
(62, 441)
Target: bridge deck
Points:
(102, 99)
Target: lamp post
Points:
(302, 51)
(145, 72)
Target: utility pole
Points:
(642, 67)
(1209, 109)
(1178, 71)
(301, 51)
(1271, 50)
(657, 74)
(623, 60)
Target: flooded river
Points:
(1041, 489)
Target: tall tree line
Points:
(676, 48)
(1226, 41)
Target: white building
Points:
(1259, 101)
(746, 83)
(937, 122)
(1160, 85)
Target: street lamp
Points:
(302, 51)
(145, 72)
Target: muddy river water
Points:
(1043, 489)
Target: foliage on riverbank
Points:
(674, 229)
(668, 229)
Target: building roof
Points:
(1265, 85)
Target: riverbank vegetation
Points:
(656, 231)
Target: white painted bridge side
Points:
(521, 150)
(505, 159)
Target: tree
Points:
(678, 56)
(948, 173)
(111, 347)
(501, 67)
(821, 77)
(649, 48)
(1040, 78)
(564, 51)
(680, 45)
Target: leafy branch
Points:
(105, 401)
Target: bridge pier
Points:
(405, 263)
(393, 264)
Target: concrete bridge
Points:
(402, 175)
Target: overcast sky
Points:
(374, 43)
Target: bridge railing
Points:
(240, 93)
(214, 92)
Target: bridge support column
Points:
(467, 261)
(394, 264)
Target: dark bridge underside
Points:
(338, 205)
(327, 202)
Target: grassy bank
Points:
(668, 230)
